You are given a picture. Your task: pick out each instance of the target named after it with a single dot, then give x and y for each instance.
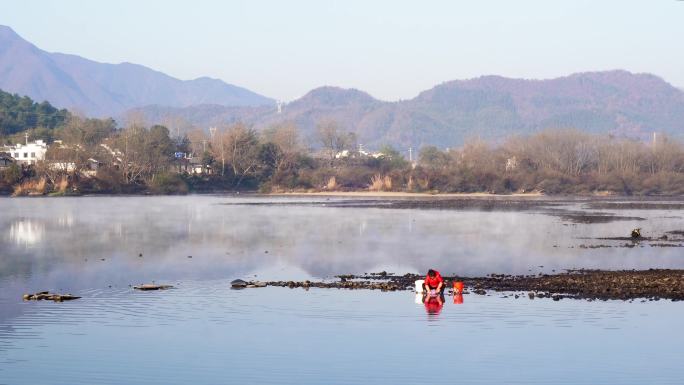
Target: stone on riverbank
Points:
(242, 284)
(151, 286)
(45, 295)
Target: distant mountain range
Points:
(99, 89)
(489, 107)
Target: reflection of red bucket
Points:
(458, 287)
(458, 299)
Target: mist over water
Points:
(63, 241)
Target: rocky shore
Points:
(651, 284)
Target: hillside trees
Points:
(19, 113)
(85, 132)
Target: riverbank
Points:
(653, 284)
(401, 194)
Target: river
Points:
(202, 332)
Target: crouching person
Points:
(434, 283)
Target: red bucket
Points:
(458, 287)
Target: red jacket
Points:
(434, 281)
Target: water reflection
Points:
(25, 232)
(433, 303)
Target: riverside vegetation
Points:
(88, 156)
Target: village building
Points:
(28, 153)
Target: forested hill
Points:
(19, 113)
(489, 107)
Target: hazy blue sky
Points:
(392, 49)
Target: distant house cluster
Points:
(30, 153)
(360, 153)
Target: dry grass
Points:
(62, 185)
(380, 183)
(30, 187)
(332, 184)
(424, 183)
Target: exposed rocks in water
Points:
(343, 283)
(152, 286)
(45, 295)
(636, 238)
(589, 218)
(585, 284)
(241, 284)
(489, 203)
(647, 205)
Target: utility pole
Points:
(410, 154)
(26, 137)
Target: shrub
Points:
(12, 174)
(168, 183)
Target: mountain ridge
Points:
(104, 89)
(491, 107)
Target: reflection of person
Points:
(433, 303)
(433, 281)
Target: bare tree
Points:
(333, 139)
(237, 147)
(141, 153)
(288, 147)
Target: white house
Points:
(28, 153)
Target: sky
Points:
(392, 49)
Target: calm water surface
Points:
(204, 333)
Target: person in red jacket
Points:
(433, 281)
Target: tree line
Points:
(95, 156)
(557, 162)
